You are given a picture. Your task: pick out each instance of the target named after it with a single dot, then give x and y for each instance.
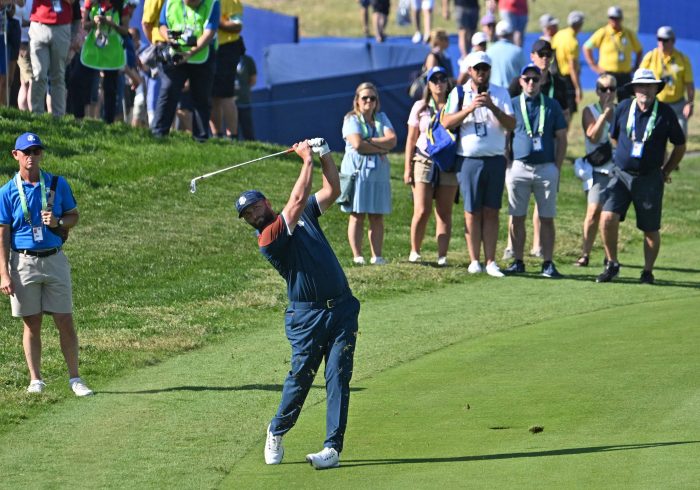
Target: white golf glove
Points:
(319, 145)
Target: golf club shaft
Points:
(289, 150)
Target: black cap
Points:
(541, 44)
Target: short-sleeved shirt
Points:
(471, 145)
(419, 117)
(566, 48)
(151, 15)
(555, 88)
(303, 257)
(517, 7)
(673, 69)
(212, 22)
(11, 212)
(610, 44)
(666, 129)
(506, 62)
(522, 142)
(43, 12)
(230, 10)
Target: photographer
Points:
(189, 27)
(103, 51)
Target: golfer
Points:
(321, 320)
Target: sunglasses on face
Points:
(544, 54)
(531, 79)
(439, 79)
(32, 151)
(482, 67)
(606, 89)
(369, 98)
(662, 40)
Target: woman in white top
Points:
(596, 124)
(427, 181)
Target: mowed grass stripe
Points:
(188, 421)
(614, 390)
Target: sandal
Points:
(582, 261)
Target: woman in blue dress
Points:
(369, 136)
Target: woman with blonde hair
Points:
(426, 178)
(597, 164)
(439, 42)
(368, 136)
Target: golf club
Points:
(193, 183)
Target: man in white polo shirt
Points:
(482, 119)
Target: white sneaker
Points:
(358, 260)
(327, 458)
(79, 387)
(377, 261)
(508, 254)
(36, 386)
(417, 37)
(414, 257)
(274, 450)
(493, 270)
(442, 261)
(475, 267)
(536, 252)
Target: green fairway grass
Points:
(614, 390)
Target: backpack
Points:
(442, 143)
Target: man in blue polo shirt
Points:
(641, 128)
(321, 321)
(539, 146)
(34, 272)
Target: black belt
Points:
(39, 253)
(320, 305)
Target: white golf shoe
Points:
(414, 257)
(493, 270)
(475, 268)
(79, 387)
(377, 261)
(36, 386)
(327, 458)
(442, 261)
(274, 450)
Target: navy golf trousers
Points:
(316, 334)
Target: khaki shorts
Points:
(25, 64)
(423, 172)
(42, 284)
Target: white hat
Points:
(476, 58)
(615, 12)
(504, 28)
(665, 32)
(584, 171)
(548, 20)
(479, 37)
(646, 77)
(574, 17)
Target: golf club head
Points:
(193, 186)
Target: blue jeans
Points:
(173, 78)
(315, 334)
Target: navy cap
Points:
(28, 140)
(530, 66)
(433, 71)
(247, 199)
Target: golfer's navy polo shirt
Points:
(304, 258)
(522, 142)
(665, 129)
(11, 212)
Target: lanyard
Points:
(551, 89)
(620, 45)
(23, 197)
(526, 117)
(631, 123)
(366, 133)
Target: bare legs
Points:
(31, 341)
(422, 204)
(375, 233)
(481, 226)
